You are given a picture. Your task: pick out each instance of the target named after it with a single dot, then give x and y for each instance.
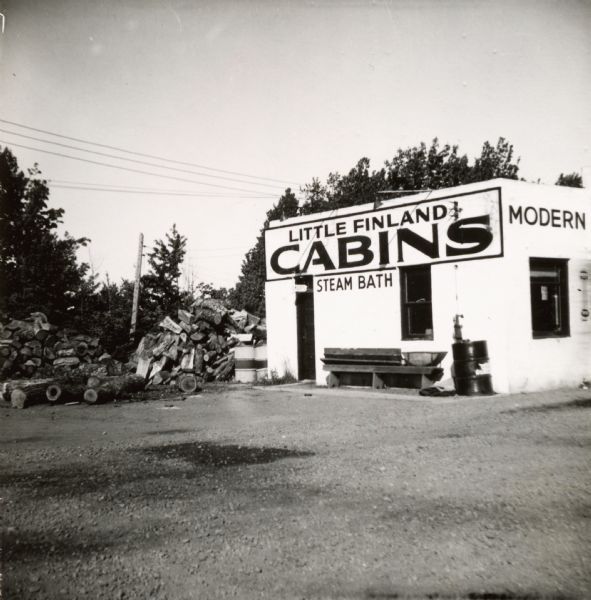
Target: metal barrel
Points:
(471, 368)
(245, 364)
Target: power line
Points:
(133, 160)
(94, 162)
(106, 187)
(178, 162)
(162, 193)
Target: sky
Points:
(265, 95)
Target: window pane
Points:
(420, 319)
(418, 285)
(549, 297)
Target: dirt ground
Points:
(299, 492)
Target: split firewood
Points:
(188, 361)
(66, 352)
(68, 361)
(209, 316)
(225, 369)
(143, 367)
(169, 324)
(185, 317)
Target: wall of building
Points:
(535, 364)
(282, 341)
(492, 294)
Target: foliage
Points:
(161, 294)
(249, 292)
(208, 289)
(38, 268)
(416, 168)
(571, 180)
(275, 379)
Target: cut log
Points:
(65, 392)
(198, 336)
(131, 382)
(93, 381)
(161, 378)
(113, 387)
(188, 384)
(27, 393)
(99, 395)
(81, 348)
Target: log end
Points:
(90, 396)
(53, 392)
(188, 383)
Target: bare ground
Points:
(299, 493)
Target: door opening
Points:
(305, 327)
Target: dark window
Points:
(417, 315)
(549, 297)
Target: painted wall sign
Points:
(357, 281)
(544, 217)
(428, 231)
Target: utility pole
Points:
(136, 287)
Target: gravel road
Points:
(297, 492)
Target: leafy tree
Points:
(494, 162)
(208, 289)
(161, 294)
(571, 180)
(249, 292)
(38, 269)
(415, 168)
(107, 314)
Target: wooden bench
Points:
(381, 363)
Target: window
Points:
(549, 297)
(417, 315)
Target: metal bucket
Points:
(471, 368)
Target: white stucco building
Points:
(513, 258)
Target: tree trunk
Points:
(188, 384)
(27, 393)
(61, 392)
(112, 387)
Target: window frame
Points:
(406, 305)
(561, 264)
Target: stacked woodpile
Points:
(196, 347)
(33, 347)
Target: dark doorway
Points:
(305, 317)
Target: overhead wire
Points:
(139, 162)
(129, 169)
(145, 155)
(162, 193)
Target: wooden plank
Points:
(404, 369)
(361, 361)
(362, 352)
